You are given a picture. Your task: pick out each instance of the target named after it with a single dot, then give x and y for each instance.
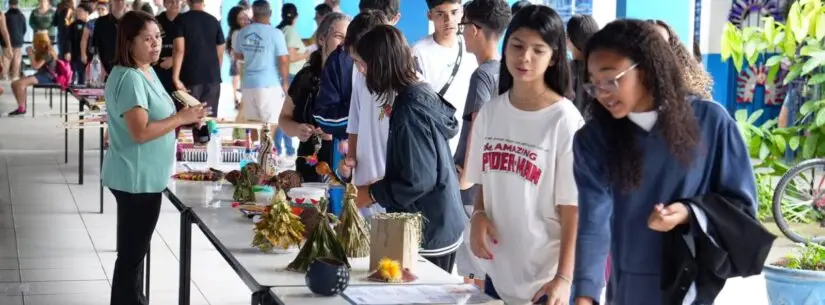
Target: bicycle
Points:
(809, 191)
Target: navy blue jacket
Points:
(420, 174)
(332, 103)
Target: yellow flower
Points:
(389, 270)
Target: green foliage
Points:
(809, 257)
(764, 196)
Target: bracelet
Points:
(564, 278)
(476, 212)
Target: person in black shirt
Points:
(199, 72)
(171, 32)
(17, 26)
(104, 36)
(62, 20)
(74, 33)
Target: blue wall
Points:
(670, 11)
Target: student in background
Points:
(263, 49)
(74, 33)
(420, 172)
(166, 21)
(332, 107)
(442, 57)
(44, 60)
(483, 24)
(63, 17)
(518, 5)
(103, 35)
(579, 30)
(41, 19)
(16, 25)
(298, 55)
(321, 10)
(237, 19)
(697, 79)
(521, 155)
(199, 72)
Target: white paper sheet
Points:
(416, 295)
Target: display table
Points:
(208, 205)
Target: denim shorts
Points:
(44, 78)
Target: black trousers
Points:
(446, 261)
(137, 215)
(209, 94)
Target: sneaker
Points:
(19, 111)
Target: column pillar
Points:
(714, 18)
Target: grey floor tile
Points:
(168, 297)
(65, 287)
(63, 274)
(9, 264)
(27, 193)
(10, 276)
(11, 299)
(90, 261)
(61, 221)
(68, 299)
(13, 289)
(6, 220)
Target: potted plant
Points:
(799, 278)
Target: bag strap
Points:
(455, 68)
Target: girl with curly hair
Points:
(698, 81)
(648, 146)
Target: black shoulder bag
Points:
(455, 68)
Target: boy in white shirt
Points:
(442, 58)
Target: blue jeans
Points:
(490, 290)
(280, 137)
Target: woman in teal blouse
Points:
(139, 162)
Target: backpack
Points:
(63, 74)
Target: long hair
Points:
(288, 14)
(389, 59)
(232, 20)
(316, 59)
(661, 70)
(549, 25)
(697, 80)
(42, 45)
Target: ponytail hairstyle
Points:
(289, 12)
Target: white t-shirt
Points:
(372, 128)
(524, 160)
(436, 63)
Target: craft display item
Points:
(233, 176)
(396, 236)
(278, 226)
(250, 210)
(390, 271)
(289, 179)
(244, 191)
(329, 175)
(255, 171)
(273, 181)
(265, 152)
(352, 228)
(198, 176)
(321, 243)
(312, 159)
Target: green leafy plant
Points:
(799, 45)
(810, 257)
(764, 144)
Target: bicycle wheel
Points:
(801, 187)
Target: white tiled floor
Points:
(56, 249)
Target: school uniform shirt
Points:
(130, 166)
(436, 62)
(616, 222)
(524, 161)
(332, 105)
(371, 123)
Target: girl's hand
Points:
(345, 167)
(665, 218)
(482, 231)
(557, 291)
(364, 199)
(305, 131)
(191, 115)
